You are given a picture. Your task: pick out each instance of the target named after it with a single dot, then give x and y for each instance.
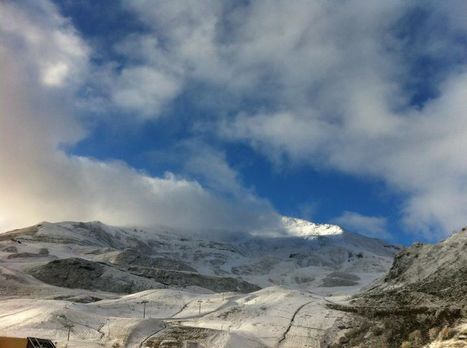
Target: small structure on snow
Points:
(28, 342)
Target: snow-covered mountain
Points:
(308, 256)
(251, 290)
(307, 229)
(421, 302)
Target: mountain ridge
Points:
(420, 302)
(253, 291)
(314, 246)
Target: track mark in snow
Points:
(284, 335)
(182, 309)
(17, 312)
(164, 326)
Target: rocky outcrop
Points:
(184, 279)
(422, 296)
(43, 252)
(133, 257)
(340, 279)
(83, 274)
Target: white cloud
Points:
(331, 84)
(39, 181)
(144, 90)
(344, 100)
(371, 226)
(55, 74)
(211, 165)
(421, 153)
(202, 162)
(56, 51)
(324, 84)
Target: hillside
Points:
(253, 291)
(310, 258)
(421, 301)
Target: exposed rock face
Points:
(23, 255)
(340, 279)
(184, 279)
(438, 270)
(10, 249)
(424, 292)
(133, 257)
(426, 275)
(83, 274)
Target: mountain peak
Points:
(304, 228)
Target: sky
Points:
(222, 116)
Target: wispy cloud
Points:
(371, 226)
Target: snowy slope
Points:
(262, 319)
(420, 302)
(307, 229)
(302, 258)
(55, 274)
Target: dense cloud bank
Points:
(46, 64)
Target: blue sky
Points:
(226, 115)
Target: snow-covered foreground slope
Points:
(252, 292)
(264, 318)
